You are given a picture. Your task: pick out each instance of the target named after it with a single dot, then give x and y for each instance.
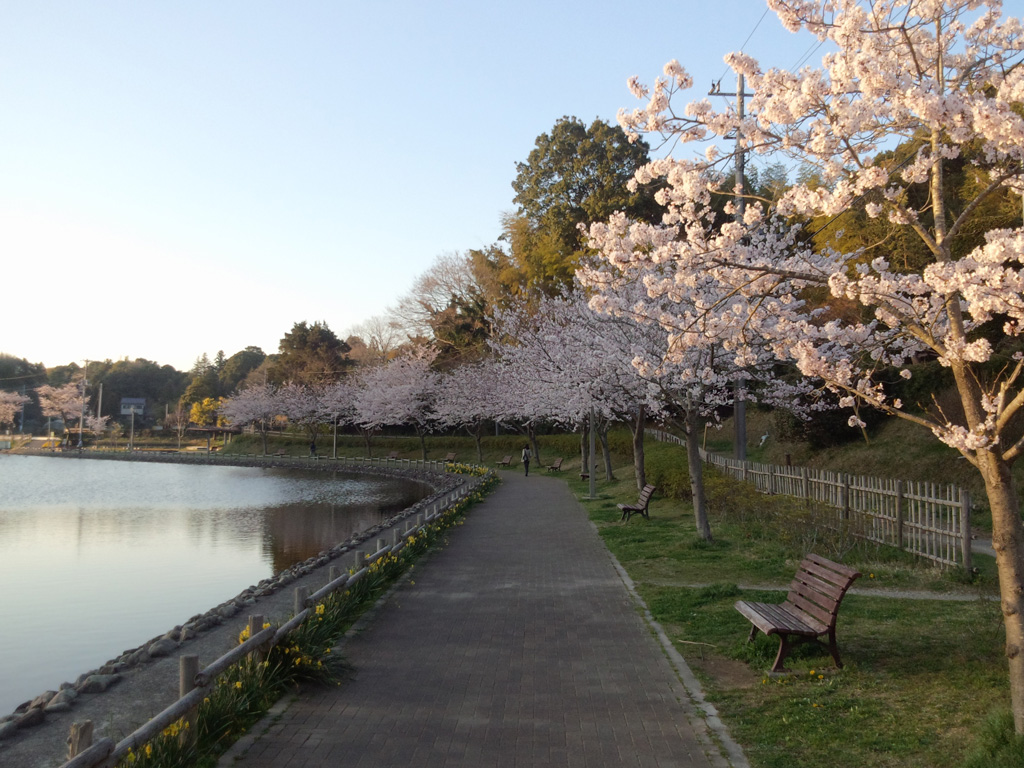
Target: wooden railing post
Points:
(844, 496)
(80, 738)
(255, 627)
(299, 604)
(900, 514)
(965, 527)
(188, 668)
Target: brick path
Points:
(517, 644)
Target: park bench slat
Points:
(810, 610)
(770, 617)
(829, 567)
(823, 587)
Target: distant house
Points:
(130, 405)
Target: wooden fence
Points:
(930, 520)
(195, 683)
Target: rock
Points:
(66, 696)
(227, 610)
(138, 657)
(22, 708)
(54, 708)
(98, 683)
(8, 729)
(42, 700)
(162, 647)
(32, 717)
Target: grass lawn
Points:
(921, 677)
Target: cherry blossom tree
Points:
(467, 399)
(692, 371)
(569, 364)
(98, 425)
(64, 403)
(10, 404)
(258, 406)
(301, 405)
(943, 81)
(337, 406)
(401, 393)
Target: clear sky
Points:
(188, 177)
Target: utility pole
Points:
(739, 404)
(81, 417)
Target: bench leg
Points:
(782, 654)
(833, 647)
(752, 635)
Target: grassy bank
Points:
(922, 678)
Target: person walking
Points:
(526, 459)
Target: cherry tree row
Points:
(911, 96)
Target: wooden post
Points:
(358, 558)
(333, 573)
(805, 484)
(900, 514)
(256, 626)
(80, 738)
(844, 496)
(965, 528)
(188, 668)
(301, 593)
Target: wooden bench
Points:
(810, 609)
(556, 467)
(640, 507)
(506, 461)
(393, 455)
(280, 452)
(449, 458)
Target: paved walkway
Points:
(517, 644)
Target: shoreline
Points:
(140, 682)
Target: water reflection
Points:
(123, 551)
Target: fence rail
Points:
(930, 520)
(194, 683)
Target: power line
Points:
(758, 24)
(808, 53)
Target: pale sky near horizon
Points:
(192, 177)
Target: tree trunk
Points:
(423, 444)
(532, 435)
(584, 449)
(696, 469)
(637, 426)
(602, 435)
(1008, 542)
(478, 439)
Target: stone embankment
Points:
(132, 687)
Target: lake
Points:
(124, 551)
